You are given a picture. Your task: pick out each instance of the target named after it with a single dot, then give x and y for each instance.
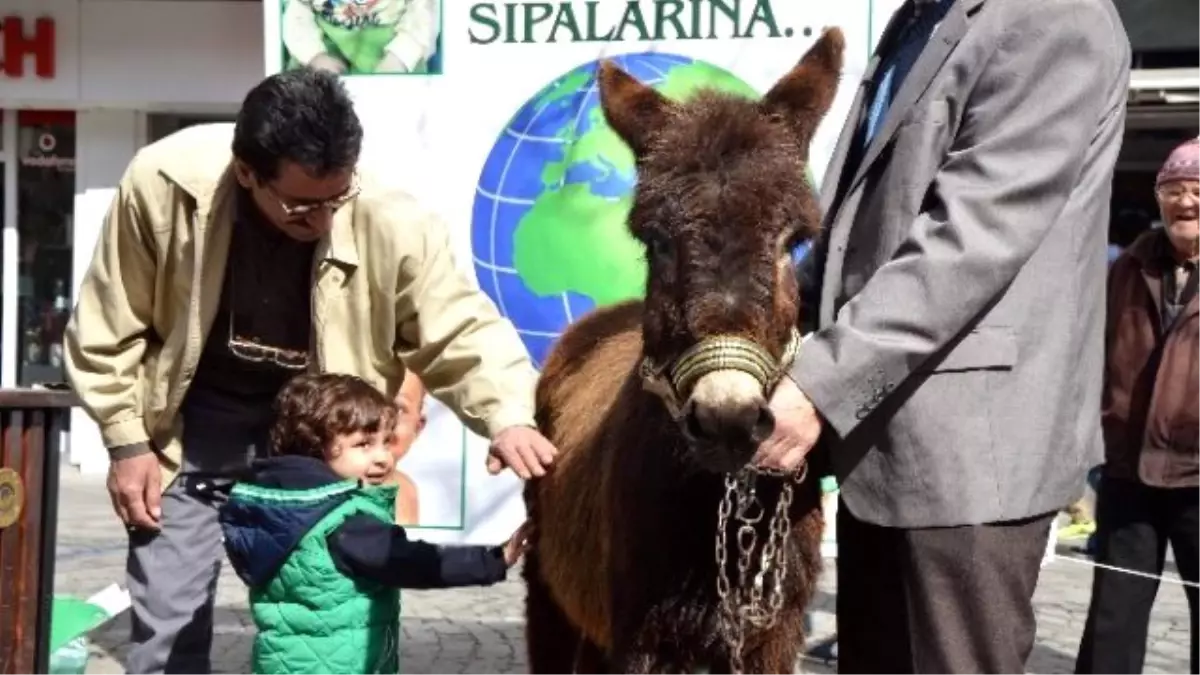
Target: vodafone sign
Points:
(27, 47)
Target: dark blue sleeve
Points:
(365, 547)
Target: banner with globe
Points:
(507, 142)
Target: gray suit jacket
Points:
(960, 277)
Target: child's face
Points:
(362, 456)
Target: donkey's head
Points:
(721, 198)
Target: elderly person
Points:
(1149, 492)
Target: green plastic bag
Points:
(70, 621)
(71, 658)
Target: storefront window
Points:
(161, 125)
(45, 156)
(3, 210)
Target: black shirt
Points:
(265, 300)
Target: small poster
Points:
(361, 37)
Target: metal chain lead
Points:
(754, 603)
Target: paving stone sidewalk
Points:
(480, 630)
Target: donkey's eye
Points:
(794, 239)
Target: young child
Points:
(312, 534)
(361, 36)
(410, 422)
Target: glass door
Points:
(45, 213)
(161, 125)
(8, 250)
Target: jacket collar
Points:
(205, 173)
(1152, 250)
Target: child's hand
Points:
(327, 62)
(515, 547)
(390, 64)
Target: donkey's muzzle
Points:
(718, 387)
(733, 424)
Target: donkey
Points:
(656, 546)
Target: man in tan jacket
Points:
(233, 258)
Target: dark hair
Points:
(313, 409)
(302, 116)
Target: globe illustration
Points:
(548, 227)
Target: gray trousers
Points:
(937, 599)
(172, 574)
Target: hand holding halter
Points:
(798, 426)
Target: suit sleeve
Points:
(1018, 154)
(105, 339)
(468, 355)
(366, 548)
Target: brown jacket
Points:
(1151, 423)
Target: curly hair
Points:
(313, 409)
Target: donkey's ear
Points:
(632, 109)
(803, 96)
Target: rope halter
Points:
(673, 382)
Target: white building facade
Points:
(83, 85)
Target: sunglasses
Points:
(253, 350)
(250, 349)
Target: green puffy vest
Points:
(310, 617)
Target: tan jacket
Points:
(385, 292)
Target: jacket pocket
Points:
(984, 348)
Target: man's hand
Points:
(797, 428)
(326, 62)
(523, 449)
(134, 485)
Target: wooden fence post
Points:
(31, 421)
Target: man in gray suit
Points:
(958, 291)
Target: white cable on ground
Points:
(1135, 573)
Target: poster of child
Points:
(363, 37)
(410, 401)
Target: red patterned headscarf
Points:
(1182, 164)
